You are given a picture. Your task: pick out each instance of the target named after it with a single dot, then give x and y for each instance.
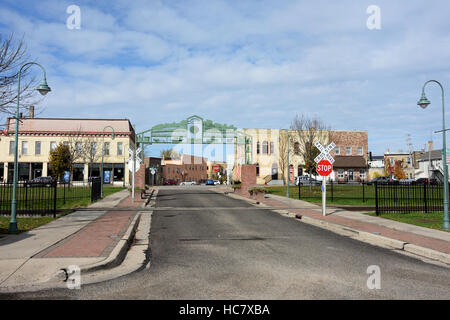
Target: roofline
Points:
(104, 119)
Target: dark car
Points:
(306, 181)
(381, 180)
(425, 180)
(209, 182)
(40, 181)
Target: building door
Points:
(299, 171)
(274, 171)
(350, 175)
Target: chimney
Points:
(31, 114)
(430, 145)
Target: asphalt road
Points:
(219, 251)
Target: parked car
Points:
(209, 182)
(37, 182)
(169, 182)
(187, 183)
(381, 180)
(425, 180)
(216, 182)
(306, 180)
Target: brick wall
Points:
(353, 139)
(139, 178)
(248, 179)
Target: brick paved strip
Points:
(97, 238)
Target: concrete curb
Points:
(427, 253)
(120, 250)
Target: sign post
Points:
(324, 167)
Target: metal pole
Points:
(134, 168)
(324, 197)
(101, 170)
(13, 222)
(446, 222)
(288, 167)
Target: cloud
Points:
(252, 63)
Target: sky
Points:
(252, 64)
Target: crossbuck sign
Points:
(324, 152)
(131, 162)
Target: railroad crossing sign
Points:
(324, 152)
(131, 160)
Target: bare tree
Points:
(91, 151)
(75, 144)
(306, 132)
(12, 57)
(282, 156)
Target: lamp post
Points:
(43, 89)
(424, 102)
(288, 166)
(103, 151)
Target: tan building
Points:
(37, 136)
(269, 153)
(186, 168)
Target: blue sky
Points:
(246, 63)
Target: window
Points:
(408, 160)
(360, 151)
(78, 148)
(11, 147)
(341, 174)
(52, 145)
(106, 149)
(37, 147)
(271, 148)
(296, 148)
(93, 148)
(391, 161)
(265, 148)
(362, 174)
(24, 147)
(348, 151)
(337, 151)
(119, 148)
(257, 170)
(258, 147)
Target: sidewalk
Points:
(425, 242)
(85, 238)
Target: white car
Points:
(216, 182)
(187, 183)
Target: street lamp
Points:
(423, 103)
(43, 90)
(103, 151)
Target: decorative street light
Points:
(103, 151)
(288, 165)
(424, 102)
(43, 89)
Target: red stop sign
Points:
(324, 168)
(216, 168)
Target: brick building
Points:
(186, 168)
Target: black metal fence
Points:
(44, 198)
(405, 198)
(339, 192)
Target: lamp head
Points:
(423, 102)
(113, 136)
(43, 87)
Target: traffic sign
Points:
(216, 168)
(324, 152)
(324, 168)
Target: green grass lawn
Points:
(341, 194)
(431, 220)
(25, 224)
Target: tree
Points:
(12, 57)
(282, 156)
(59, 160)
(91, 151)
(75, 144)
(169, 154)
(399, 173)
(306, 132)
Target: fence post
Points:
(26, 196)
(299, 185)
(376, 198)
(64, 199)
(364, 198)
(332, 197)
(425, 196)
(54, 199)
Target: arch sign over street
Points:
(324, 167)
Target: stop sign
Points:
(324, 168)
(216, 168)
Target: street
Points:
(205, 245)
